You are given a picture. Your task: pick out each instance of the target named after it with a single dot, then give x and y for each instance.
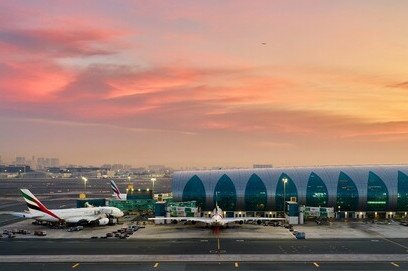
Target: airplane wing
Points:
(237, 219)
(180, 218)
(21, 214)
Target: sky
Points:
(205, 83)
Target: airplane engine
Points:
(174, 221)
(103, 221)
(259, 222)
(241, 222)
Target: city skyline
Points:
(181, 83)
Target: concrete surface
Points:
(209, 258)
(179, 231)
(205, 266)
(353, 230)
(208, 246)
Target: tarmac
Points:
(214, 246)
(336, 230)
(205, 266)
(341, 246)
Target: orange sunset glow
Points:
(210, 83)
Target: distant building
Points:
(44, 163)
(139, 170)
(157, 168)
(14, 169)
(117, 167)
(106, 166)
(20, 161)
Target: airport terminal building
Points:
(353, 191)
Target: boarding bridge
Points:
(318, 212)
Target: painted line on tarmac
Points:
(394, 264)
(395, 243)
(219, 257)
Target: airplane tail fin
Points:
(34, 205)
(115, 189)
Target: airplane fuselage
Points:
(73, 215)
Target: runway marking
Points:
(236, 265)
(396, 243)
(75, 265)
(394, 264)
(316, 264)
(156, 265)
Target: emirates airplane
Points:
(88, 215)
(116, 191)
(217, 219)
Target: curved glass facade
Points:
(255, 194)
(347, 193)
(377, 193)
(225, 194)
(346, 188)
(402, 201)
(316, 192)
(289, 189)
(194, 190)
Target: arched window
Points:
(377, 193)
(347, 193)
(316, 192)
(225, 194)
(285, 188)
(194, 190)
(402, 202)
(255, 194)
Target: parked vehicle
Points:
(300, 235)
(40, 233)
(77, 228)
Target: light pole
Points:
(153, 180)
(85, 180)
(284, 180)
(339, 211)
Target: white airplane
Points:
(116, 192)
(88, 215)
(217, 219)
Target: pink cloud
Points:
(400, 85)
(57, 42)
(31, 81)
